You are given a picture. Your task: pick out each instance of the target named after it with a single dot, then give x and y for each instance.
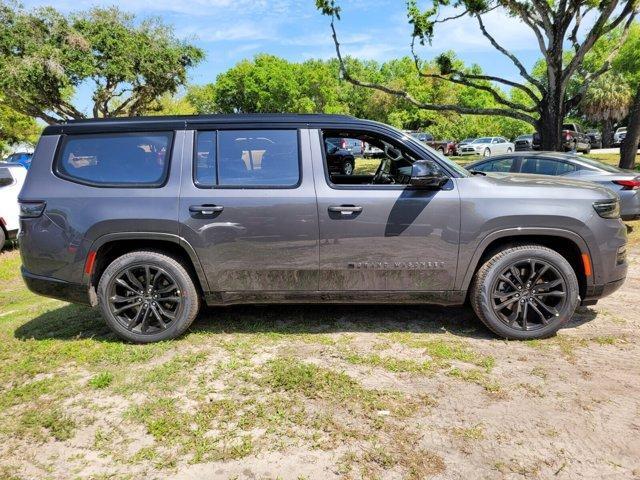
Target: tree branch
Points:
(511, 56)
(409, 98)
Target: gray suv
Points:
(150, 218)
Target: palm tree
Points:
(607, 100)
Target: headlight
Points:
(607, 208)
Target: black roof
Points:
(152, 123)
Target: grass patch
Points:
(476, 376)
(56, 423)
(390, 364)
(101, 380)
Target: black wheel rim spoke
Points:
(528, 294)
(145, 299)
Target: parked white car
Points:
(619, 136)
(487, 146)
(12, 177)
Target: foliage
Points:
(45, 56)
(16, 127)
(269, 84)
(555, 25)
(607, 99)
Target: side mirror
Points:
(427, 174)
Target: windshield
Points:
(622, 129)
(525, 137)
(482, 140)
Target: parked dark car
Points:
(626, 183)
(150, 218)
(573, 139)
(523, 143)
(595, 137)
(339, 159)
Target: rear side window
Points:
(247, 158)
(503, 165)
(6, 178)
(116, 159)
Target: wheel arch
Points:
(110, 246)
(568, 244)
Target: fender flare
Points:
(167, 237)
(522, 231)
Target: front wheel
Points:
(509, 150)
(486, 153)
(525, 292)
(588, 149)
(147, 297)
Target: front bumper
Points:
(596, 292)
(55, 288)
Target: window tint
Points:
(258, 158)
(116, 159)
(5, 177)
(205, 159)
(503, 165)
(546, 166)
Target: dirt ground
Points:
(318, 392)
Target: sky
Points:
(231, 30)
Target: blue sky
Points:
(230, 30)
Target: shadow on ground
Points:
(74, 322)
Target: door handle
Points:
(206, 209)
(345, 209)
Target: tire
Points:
(486, 153)
(3, 238)
(441, 150)
(587, 150)
(509, 150)
(182, 301)
(348, 167)
(488, 281)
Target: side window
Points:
(258, 158)
(384, 161)
(6, 178)
(116, 159)
(503, 165)
(544, 166)
(205, 160)
(564, 168)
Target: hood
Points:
(526, 185)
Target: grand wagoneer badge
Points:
(397, 265)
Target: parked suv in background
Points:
(523, 143)
(445, 147)
(573, 139)
(149, 218)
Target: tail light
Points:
(628, 184)
(31, 209)
(3, 222)
(568, 136)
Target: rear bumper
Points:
(54, 288)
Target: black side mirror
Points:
(427, 174)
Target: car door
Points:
(248, 209)
(385, 237)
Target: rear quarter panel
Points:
(57, 243)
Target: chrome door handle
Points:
(206, 209)
(345, 209)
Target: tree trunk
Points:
(550, 129)
(607, 133)
(629, 147)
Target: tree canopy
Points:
(554, 24)
(45, 56)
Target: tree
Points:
(607, 101)
(555, 23)
(628, 64)
(15, 127)
(45, 56)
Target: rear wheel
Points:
(509, 150)
(347, 167)
(525, 292)
(486, 153)
(3, 239)
(147, 297)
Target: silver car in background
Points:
(487, 146)
(626, 183)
